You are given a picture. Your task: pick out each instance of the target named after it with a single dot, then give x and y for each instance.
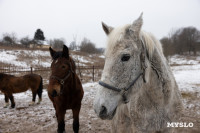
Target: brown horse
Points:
(65, 89)
(10, 84)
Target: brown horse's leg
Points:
(54, 105)
(40, 97)
(39, 91)
(33, 99)
(12, 101)
(6, 101)
(76, 119)
(60, 113)
(34, 96)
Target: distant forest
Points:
(182, 41)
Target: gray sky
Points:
(82, 18)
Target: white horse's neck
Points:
(155, 98)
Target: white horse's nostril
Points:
(103, 111)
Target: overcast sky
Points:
(82, 18)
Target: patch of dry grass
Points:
(188, 95)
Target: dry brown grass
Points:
(188, 95)
(28, 57)
(191, 112)
(15, 47)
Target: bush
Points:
(181, 41)
(88, 47)
(9, 39)
(25, 41)
(57, 44)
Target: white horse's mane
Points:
(149, 41)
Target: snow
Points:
(186, 73)
(188, 79)
(13, 57)
(102, 56)
(10, 57)
(181, 60)
(80, 58)
(90, 84)
(32, 58)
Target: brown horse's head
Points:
(61, 70)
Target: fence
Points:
(84, 72)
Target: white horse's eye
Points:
(125, 57)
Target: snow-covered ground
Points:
(41, 118)
(24, 58)
(39, 58)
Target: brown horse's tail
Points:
(39, 91)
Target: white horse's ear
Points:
(137, 25)
(107, 29)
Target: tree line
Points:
(12, 40)
(38, 40)
(182, 41)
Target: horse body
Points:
(10, 84)
(65, 89)
(153, 99)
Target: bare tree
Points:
(167, 47)
(9, 39)
(181, 41)
(87, 46)
(57, 44)
(25, 41)
(73, 44)
(189, 37)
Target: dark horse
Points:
(65, 89)
(10, 84)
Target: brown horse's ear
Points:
(65, 52)
(107, 29)
(52, 52)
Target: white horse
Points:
(137, 89)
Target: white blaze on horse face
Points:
(56, 61)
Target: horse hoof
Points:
(12, 106)
(6, 105)
(39, 101)
(31, 104)
(61, 131)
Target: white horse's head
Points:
(125, 70)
